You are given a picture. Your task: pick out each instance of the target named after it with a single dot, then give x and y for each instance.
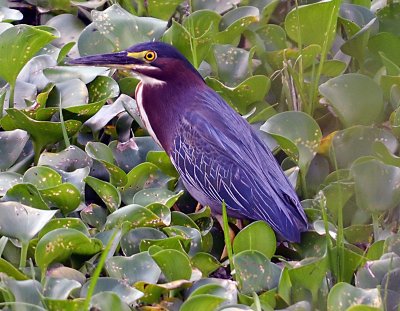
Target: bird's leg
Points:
(231, 234)
(239, 224)
(198, 207)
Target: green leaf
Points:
(12, 144)
(232, 64)
(174, 264)
(26, 292)
(202, 302)
(68, 160)
(60, 74)
(8, 180)
(309, 23)
(59, 289)
(42, 132)
(143, 176)
(241, 97)
(298, 135)
(156, 195)
(343, 295)
(206, 263)
(386, 43)
(108, 301)
(66, 223)
(106, 191)
(8, 269)
(136, 268)
(59, 244)
(112, 27)
(136, 215)
(69, 26)
(249, 239)
(22, 222)
(372, 274)
(94, 215)
(42, 177)
(162, 160)
(309, 274)
(131, 241)
(9, 15)
(162, 9)
(355, 98)
(103, 154)
(376, 185)
(255, 272)
(26, 194)
(234, 22)
(125, 292)
(17, 46)
(357, 141)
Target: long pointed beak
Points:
(115, 60)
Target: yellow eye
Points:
(150, 56)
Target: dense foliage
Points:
(92, 212)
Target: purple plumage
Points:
(219, 156)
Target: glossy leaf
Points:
(58, 245)
(355, 98)
(136, 215)
(8, 180)
(173, 264)
(106, 191)
(310, 23)
(17, 45)
(343, 296)
(249, 239)
(241, 97)
(130, 242)
(22, 222)
(354, 142)
(125, 292)
(136, 268)
(298, 135)
(376, 185)
(42, 132)
(11, 146)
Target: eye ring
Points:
(150, 56)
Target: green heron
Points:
(219, 156)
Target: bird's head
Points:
(152, 61)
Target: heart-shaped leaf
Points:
(22, 222)
(249, 239)
(139, 267)
(298, 135)
(59, 244)
(355, 98)
(17, 46)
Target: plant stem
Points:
(304, 188)
(300, 46)
(64, 130)
(24, 254)
(226, 236)
(324, 52)
(2, 100)
(375, 224)
(11, 97)
(257, 303)
(97, 272)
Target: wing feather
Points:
(220, 157)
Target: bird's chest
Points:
(143, 114)
(154, 115)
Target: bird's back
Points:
(221, 157)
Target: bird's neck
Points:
(161, 105)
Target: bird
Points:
(220, 157)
